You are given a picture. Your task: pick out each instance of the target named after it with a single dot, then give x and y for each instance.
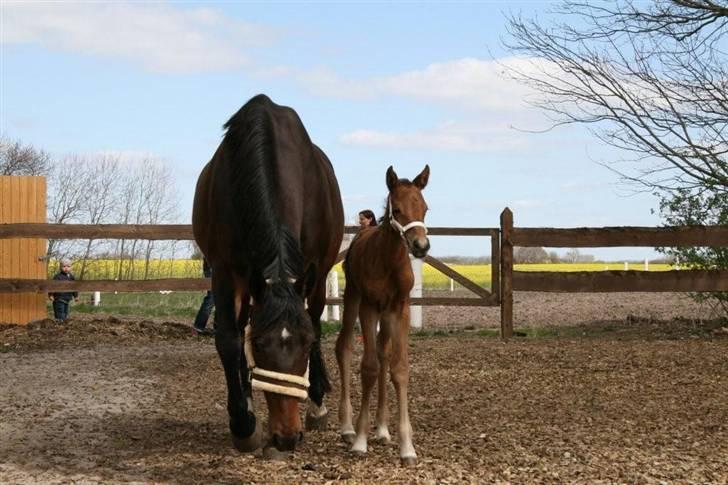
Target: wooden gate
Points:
(22, 199)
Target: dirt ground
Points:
(631, 399)
(537, 309)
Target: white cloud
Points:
(158, 36)
(466, 83)
(474, 86)
(459, 137)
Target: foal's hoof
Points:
(317, 423)
(271, 453)
(359, 455)
(249, 444)
(348, 438)
(408, 460)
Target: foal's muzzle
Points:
(419, 247)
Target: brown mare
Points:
(378, 283)
(268, 217)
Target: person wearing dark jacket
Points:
(61, 300)
(203, 314)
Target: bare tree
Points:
(649, 78)
(101, 192)
(530, 255)
(19, 159)
(572, 255)
(67, 188)
(147, 196)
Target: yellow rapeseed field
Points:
(189, 268)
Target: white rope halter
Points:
(395, 223)
(301, 381)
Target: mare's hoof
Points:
(382, 440)
(271, 453)
(409, 461)
(317, 423)
(348, 438)
(249, 444)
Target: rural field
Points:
(583, 396)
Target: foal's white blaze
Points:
(285, 334)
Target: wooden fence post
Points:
(506, 276)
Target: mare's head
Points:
(406, 209)
(279, 338)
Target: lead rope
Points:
(279, 376)
(395, 223)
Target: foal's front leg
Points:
(368, 317)
(343, 358)
(384, 348)
(400, 377)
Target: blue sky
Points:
(375, 84)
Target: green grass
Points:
(180, 304)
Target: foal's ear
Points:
(304, 286)
(392, 178)
(421, 180)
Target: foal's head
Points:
(406, 209)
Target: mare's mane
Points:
(272, 252)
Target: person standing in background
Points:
(61, 300)
(367, 219)
(208, 302)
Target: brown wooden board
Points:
(44, 286)
(618, 281)
(596, 237)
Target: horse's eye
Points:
(396, 211)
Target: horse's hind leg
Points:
(383, 353)
(400, 376)
(317, 414)
(368, 317)
(246, 435)
(343, 358)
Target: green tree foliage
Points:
(688, 207)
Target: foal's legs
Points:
(317, 414)
(343, 358)
(400, 377)
(384, 348)
(368, 317)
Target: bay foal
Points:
(378, 282)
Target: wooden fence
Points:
(482, 297)
(504, 279)
(604, 281)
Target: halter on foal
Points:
(378, 282)
(268, 217)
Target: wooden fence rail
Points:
(171, 232)
(184, 232)
(602, 237)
